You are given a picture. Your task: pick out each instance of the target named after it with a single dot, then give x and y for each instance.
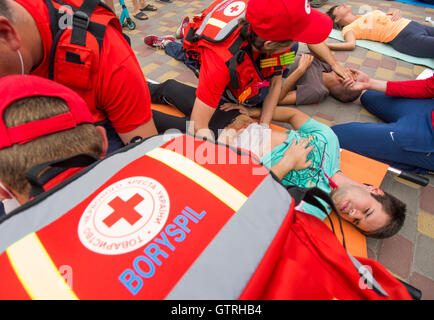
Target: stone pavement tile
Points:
(424, 284)
(372, 63)
(426, 199)
(396, 254)
(388, 63)
(341, 56)
(425, 224)
(322, 120)
(423, 256)
(373, 245)
(325, 116)
(371, 254)
(384, 74)
(410, 228)
(374, 55)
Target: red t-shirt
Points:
(417, 89)
(120, 94)
(214, 77)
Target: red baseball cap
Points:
(280, 20)
(16, 87)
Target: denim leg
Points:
(390, 109)
(376, 141)
(175, 50)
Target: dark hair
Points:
(330, 13)
(344, 95)
(4, 9)
(258, 42)
(395, 208)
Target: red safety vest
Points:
(179, 219)
(184, 219)
(217, 28)
(77, 29)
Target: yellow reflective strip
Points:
(216, 23)
(203, 177)
(37, 272)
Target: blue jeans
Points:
(405, 141)
(114, 141)
(416, 40)
(176, 51)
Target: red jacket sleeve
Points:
(418, 89)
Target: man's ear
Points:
(375, 190)
(8, 34)
(103, 134)
(5, 193)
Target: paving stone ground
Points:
(410, 254)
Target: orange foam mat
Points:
(357, 167)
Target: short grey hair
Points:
(5, 10)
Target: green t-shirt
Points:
(325, 157)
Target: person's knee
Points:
(371, 100)
(342, 132)
(368, 97)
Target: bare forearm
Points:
(271, 101)
(322, 51)
(341, 46)
(290, 82)
(199, 119)
(377, 85)
(281, 169)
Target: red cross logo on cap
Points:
(235, 9)
(124, 210)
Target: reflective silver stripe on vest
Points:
(226, 29)
(225, 267)
(45, 212)
(367, 276)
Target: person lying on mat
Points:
(374, 212)
(402, 34)
(311, 80)
(406, 139)
(309, 156)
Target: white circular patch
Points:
(124, 216)
(307, 7)
(234, 9)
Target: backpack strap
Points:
(238, 56)
(81, 24)
(310, 196)
(81, 21)
(40, 174)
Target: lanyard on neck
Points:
(332, 184)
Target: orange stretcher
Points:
(355, 166)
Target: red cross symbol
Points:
(233, 9)
(124, 210)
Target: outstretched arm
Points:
(288, 94)
(349, 43)
(271, 100)
(293, 116)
